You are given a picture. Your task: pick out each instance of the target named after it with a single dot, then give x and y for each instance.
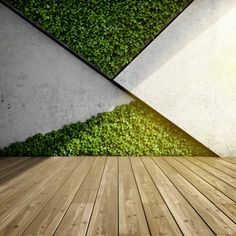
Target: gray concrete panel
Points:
(42, 86)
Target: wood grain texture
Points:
(132, 220)
(188, 220)
(15, 169)
(158, 216)
(216, 172)
(12, 184)
(224, 203)
(31, 181)
(76, 219)
(217, 220)
(50, 217)
(222, 162)
(230, 160)
(113, 196)
(104, 220)
(21, 215)
(219, 184)
(220, 165)
(11, 161)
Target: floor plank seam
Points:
(221, 170)
(75, 193)
(177, 159)
(155, 195)
(213, 173)
(186, 200)
(96, 195)
(210, 200)
(49, 198)
(140, 196)
(162, 197)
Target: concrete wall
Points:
(188, 74)
(42, 86)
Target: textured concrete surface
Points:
(188, 74)
(43, 87)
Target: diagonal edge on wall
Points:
(80, 57)
(103, 75)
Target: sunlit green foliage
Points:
(131, 129)
(108, 33)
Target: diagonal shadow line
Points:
(81, 57)
(177, 37)
(37, 26)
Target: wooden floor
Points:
(117, 196)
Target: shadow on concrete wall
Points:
(42, 86)
(196, 19)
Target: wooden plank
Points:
(33, 202)
(217, 183)
(186, 217)
(36, 177)
(132, 220)
(219, 164)
(13, 165)
(10, 186)
(227, 164)
(159, 218)
(14, 208)
(76, 220)
(16, 170)
(219, 174)
(2, 158)
(215, 219)
(224, 162)
(230, 159)
(11, 161)
(104, 220)
(25, 212)
(224, 203)
(50, 217)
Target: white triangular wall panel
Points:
(188, 74)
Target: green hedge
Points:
(131, 129)
(108, 33)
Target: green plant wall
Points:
(108, 33)
(132, 130)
